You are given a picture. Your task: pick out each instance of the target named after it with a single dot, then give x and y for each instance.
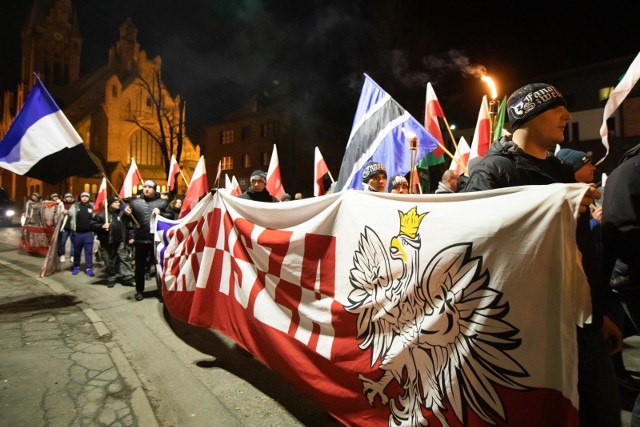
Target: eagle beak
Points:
(397, 252)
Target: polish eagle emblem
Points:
(441, 333)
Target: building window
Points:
(149, 102)
(226, 137)
(226, 163)
(246, 161)
(144, 149)
(268, 130)
(264, 158)
(245, 132)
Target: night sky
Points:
(218, 53)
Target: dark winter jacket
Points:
(141, 209)
(120, 228)
(262, 196)
(621, 217)
(506, 165)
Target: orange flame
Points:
(492, 86)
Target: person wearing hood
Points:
(258, 189)
(113, 230)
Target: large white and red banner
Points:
(392, 309)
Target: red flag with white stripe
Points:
(274, 180)
(132, 179)
(482, 135)
(174, 168)
(319, 171)
(101, 197)
(198, 187)
(236, 190)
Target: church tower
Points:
(51, 44)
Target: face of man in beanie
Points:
(400, 185)
(538, 117)
(375, 176)
(149, 189)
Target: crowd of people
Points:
(607, 233)
(122, 230)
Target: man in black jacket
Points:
(142, 209)
(538, 116)
(258, 190)
(113, 231)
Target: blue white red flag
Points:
(381, 132)
(41, 142)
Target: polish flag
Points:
(320, 171)
(236, 190)
(101, 198)
(274, 181)
(432, 111)
(174, 168)
(198, 187)
(462, 154)
(132, 179)
(482, 135)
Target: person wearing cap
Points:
(113, 236)
(65, 229)
(258, 188)
(374, 177)
(580, 162)
(538, 116)
(80, 216)
(399, 185)
(448, 182)
(142, 209)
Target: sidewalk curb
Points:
(140, 404)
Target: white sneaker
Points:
(62, 258)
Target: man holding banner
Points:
(538, 115)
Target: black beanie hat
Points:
(530, 101)
(112, 199)
(371, 169)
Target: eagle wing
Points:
(371, 278)
(464, 336)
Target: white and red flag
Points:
(319, 171)
(198, 187)
(132, 179)
(174, 169)
(274, 180)
(443, 335)
(236, 190)
(432, 111)
(482, 135)
(100, 203)
(462, 154)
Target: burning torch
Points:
(493, 105)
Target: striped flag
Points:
(481, 137)
(41, 142)
(198, 187)
(174, 168)
(319, 171)
(101, 198)
(380, 133)
(274, 179)
(132, 179)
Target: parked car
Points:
(7, 208)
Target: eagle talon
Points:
(372, 388)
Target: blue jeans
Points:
(83, 240)
(62, 243)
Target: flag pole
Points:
(455, 159)
(184, 177)
(116, 192)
